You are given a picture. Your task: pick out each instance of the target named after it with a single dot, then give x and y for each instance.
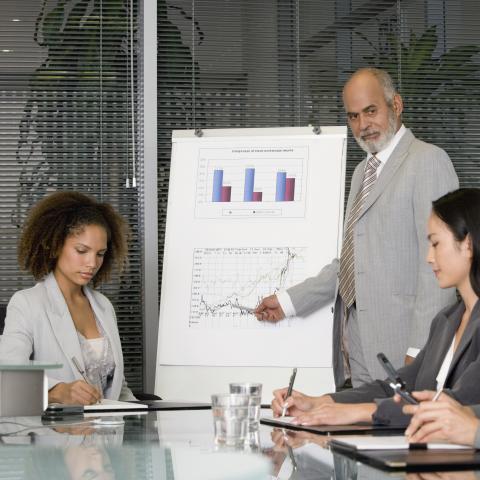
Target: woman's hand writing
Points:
(74, 393)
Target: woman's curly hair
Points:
(61, 214)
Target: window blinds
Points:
(225, 64)
(67, 110)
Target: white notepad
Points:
(394, 442)
(106, 404)
(280, 420)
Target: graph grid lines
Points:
(228, 282)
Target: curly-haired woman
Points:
(69, 240)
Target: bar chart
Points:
(284, 187)
(227, 282)
(250, 211)
(251, 185)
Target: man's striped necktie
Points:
(347, 270)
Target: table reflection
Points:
(174, 445)
(463, 475)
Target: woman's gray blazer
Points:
(462, 381)
(38, 325)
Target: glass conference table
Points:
(170, 445)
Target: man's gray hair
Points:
(384, 79)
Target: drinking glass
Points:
(230, 418)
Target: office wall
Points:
(66, 106)
(283, 63)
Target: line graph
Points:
(227, 283)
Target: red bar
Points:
(290, 189)
(257, 196)
(226, 193)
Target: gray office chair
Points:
(146, 396)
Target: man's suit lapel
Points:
(393, 164)
(355, 187)
(62, 324)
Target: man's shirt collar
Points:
(385, 154)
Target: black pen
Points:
(289, 391)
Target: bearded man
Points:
(385, 293)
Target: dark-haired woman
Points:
(450, 360)
(69, 241)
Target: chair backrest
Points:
(3, 314)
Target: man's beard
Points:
(375, 146)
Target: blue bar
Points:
(217, 185)
(249, 181)
(281, 186)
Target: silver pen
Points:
(289, 390)
(80, 371)
(437, 395)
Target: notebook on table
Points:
(357, 428)
(394, 453)
(391, 442)
(106, 405)
(117, 405)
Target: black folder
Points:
(355, 429)
(415, 460)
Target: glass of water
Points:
(230, 418)
(254, 391)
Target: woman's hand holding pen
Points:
(442, 420)
(297, 403)
(74, 393)
(319, 410)
(332, 413)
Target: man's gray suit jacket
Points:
(397, 294)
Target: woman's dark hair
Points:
(460, 211)
(61, 214)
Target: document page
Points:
(394, 442)
(278, 420)
(106, 404)
(249, 214)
